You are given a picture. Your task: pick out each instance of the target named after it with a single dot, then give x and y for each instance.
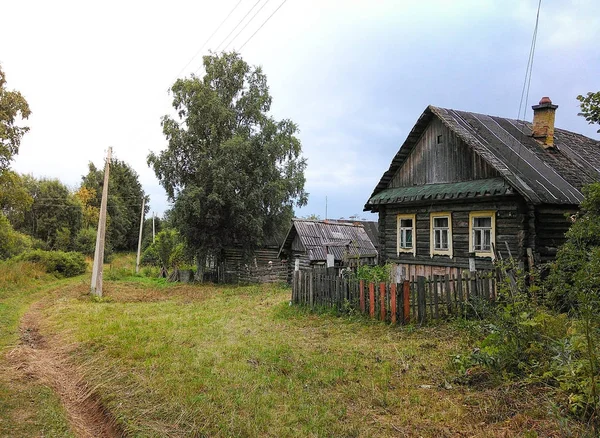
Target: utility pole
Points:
(96, 286)
(137, 262)
(153, 228)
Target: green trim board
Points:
(459, 190)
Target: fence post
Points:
(448, 294)
(372, 300)
(311, 290)
(361, 287)
(382, 301)
(406, 301)
(421, 302)
(437, 282)
(393, 307)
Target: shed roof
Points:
(553, 176)
(322, 237)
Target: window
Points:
(406, 233)
(440, 139)
(441, 234)
(482, 226)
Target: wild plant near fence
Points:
(416, 300)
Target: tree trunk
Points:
(200, 265)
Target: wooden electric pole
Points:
(137, 261)
(96, 286)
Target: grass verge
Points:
(188, 360)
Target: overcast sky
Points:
(354, 75)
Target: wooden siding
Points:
(511, 228)
(551, 224)
(450, 161)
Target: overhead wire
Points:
(527, 84)
(261, 26)
(246, 25)
(236, 26)
(208, 39)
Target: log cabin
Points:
(466, 185)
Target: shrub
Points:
(12, 243)
(85, 241)
(68, 264)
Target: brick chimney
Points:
(543, 122)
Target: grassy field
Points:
(202, 360)
(27, 408)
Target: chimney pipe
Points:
(543, 122)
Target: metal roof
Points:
(553, 176)
(322, 237)
(460, 190)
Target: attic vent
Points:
(440, 139)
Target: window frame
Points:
(478, 214)
(412, 250)
(432, 250)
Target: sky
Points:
(354, 75)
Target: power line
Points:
(264, 22)
(236, 26)
(527, 82)
(207, 40)
(246, 25)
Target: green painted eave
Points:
(447, 191)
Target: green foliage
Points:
(67, 264)
(575, 260)
(124, 202)
(13, 107)
(85, 241)
(12, 243)
(233, 172)
(54, 210)
(590, 107)
(167, 251)
(374, 274)
(15, 199)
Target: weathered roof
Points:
(322, 237)
(553, 176)
(460, 190)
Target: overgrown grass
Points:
(27, 408)
(188, 360)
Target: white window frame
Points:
(433, 251)
(399, 249)
(477, 214)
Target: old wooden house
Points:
(465, 184)
(308, 243)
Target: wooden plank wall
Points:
(551, 224)
(418, 300)
(450, 161)
(511, 223)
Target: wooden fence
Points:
(416, 300)
(273, 273)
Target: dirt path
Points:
(45, 359)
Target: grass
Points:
(189, 360)
(27, 408)
(200, 360)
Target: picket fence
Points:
(417, 300)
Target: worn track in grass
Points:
(45, 360)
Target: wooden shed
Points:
(465, 183)
(308, 243)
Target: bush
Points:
(85, 241)
(68, 264)
(12, 243)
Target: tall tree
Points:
(13, 108)
(233, 172)
(55, 215)
(125, 196)
(590, 107)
